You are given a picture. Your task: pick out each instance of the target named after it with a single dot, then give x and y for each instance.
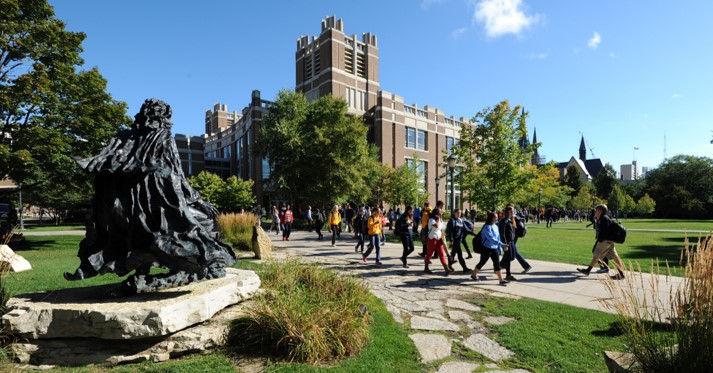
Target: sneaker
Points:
(466, 270)
(503, 283)
(603, 270)
(469, 256)
(617, 276)
(428, 271)
(363, 259)
(474, 278)
(583, 271)
(421, 254)
(527, 270)
(511, 278)
(378, 262)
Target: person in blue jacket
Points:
(494, 248)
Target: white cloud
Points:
(457, 33)
(538, 56)
(675, 96)
(502, 17)
(612, 55)
(425, 4)
(595, 40)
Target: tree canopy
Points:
(682, 187)
(492, 163)
(317, 152)
(230, 194)
(50, 111)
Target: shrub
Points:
(308, 314)
(688, 313)
(237, 229)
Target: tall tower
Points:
(337, 64)
(536, 160)
(582, 150)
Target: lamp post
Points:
(539, 197)
(438, 183)
(452, 159)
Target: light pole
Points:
(539, 197)
(438, 183)
(452, 159)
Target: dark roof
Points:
(594, 166)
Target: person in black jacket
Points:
(507, 226)
(605, 246)
(404, 228)
(456, 231)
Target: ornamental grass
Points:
(237, 229)
(683, 309)
(307, 314)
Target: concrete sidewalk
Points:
(548, 281)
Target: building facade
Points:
(346, 67)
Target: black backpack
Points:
(520, 229)
(617, 232)
(478, 246)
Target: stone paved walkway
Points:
(435, 308)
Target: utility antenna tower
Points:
(664, 145)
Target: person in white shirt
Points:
(436, 242)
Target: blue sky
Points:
(626, 74)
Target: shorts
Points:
(604, 249)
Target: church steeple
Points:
(582, 150)
(536, 155)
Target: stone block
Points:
(87, 312)
(16, 262)
(262, 244)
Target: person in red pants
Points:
(436, 241)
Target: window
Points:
(421, 168)
(416, 139)
(356, 99)
(410, 110)
(421, 140)
(450, 143)
(410, 137)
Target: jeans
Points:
(511, 255)
(407, 242)
(374, 242)
(455, 250)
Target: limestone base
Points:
(87, 313)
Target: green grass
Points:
(552, 337)
(677, 224)
(50, 227)
(575, 246)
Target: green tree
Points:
(402, 185)
(210, 186)
(317, 153)
(492, 164)
(629, 204)
(646, 205)
(605, 181)
(50, 111)
(682, 187)
(573, 179)
(238, 193)
(581, 201)
(617, 199)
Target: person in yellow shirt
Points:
(374, 228)
(423, 236)
(335, 220)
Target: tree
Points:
(210, 187)
(402, 185)
(573, 179)
(49, 111)
(492, 164)
(629, 204)
(581, 201)
(617, 199)
(238, 193)
(605, 181)
(318, 154)
(682, 187)
(646, 205)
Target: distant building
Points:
(589, 169)
(627, 172)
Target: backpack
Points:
(520, 229)
(397, 229)
(478, 246)
(617, 232)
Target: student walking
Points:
(286, 222)
(605, 246)
(404, 229)
(507, 228)
(436, 242)
(494, 248)
(318, 223)
(456, 231)
(374, 228)
(275, 220)
(335, 222)
(360, 230)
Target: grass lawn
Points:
(552, 337)
(50, 227)
(677, 224)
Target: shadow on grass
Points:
(671, 253)
(616, 329)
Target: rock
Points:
(432, 346)
(87, 312)
(620, 362)
(427, 323)
(457, 367)
(498, 320)
(459, 304)
(85, 351)
(16, 262)
(487, 347)
(262, 245)
(396, 312)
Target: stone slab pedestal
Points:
(80, 326)
(88, 313)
